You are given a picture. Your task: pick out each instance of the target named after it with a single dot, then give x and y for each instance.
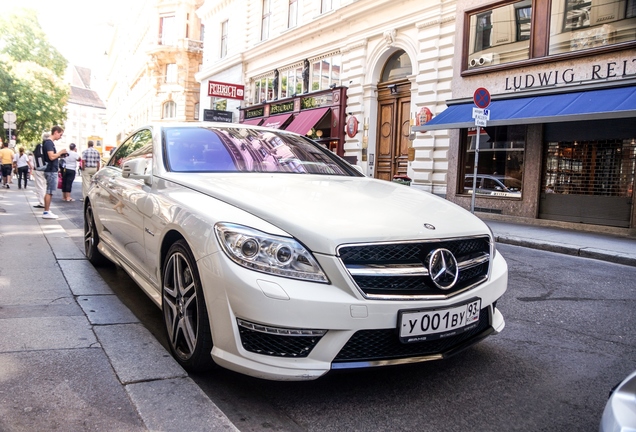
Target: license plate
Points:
(424, 325)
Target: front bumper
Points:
(358, 332)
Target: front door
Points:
(394, 116)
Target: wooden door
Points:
(394, 113)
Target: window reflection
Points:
(500, 164)
(583, 24)
(236, 149)
(500, 35)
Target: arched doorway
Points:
(394, 113)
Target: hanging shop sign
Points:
(352, 126)
(217, 116)
(226, 90)
(424, 116)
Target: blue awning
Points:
(577, 106)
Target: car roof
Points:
(195, 124)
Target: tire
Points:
(91, 238)
(185, 315)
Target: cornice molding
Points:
(211, 8)
(362, 43)
(434, 22)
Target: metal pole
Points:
(472, 198)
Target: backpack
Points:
(38, 156)
(41, 161)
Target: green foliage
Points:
(22, 38)
(31, 71)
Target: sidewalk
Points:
(604, 247)
(72, 356)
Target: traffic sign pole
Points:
(472, 198)
(481, 99)
(10, 118)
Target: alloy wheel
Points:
(180, 306)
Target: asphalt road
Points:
(568, 340)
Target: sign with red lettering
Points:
(225, 90)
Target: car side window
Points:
(490, 184)
(138, 145)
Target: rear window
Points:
(238, 149)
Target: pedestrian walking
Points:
(51, 158)
(90, 163)
(22, 166)
(40, 180)
(6, 159)
(31, 164)
(69, 172)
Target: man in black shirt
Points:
(51, 156)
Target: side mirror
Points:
(138, 168)
(359, 169)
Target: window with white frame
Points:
(224, 25)
(292, 16)
(325, 72)
(167, 30)
(197, 106)
(264, 89)
(326, 5)
(171, 73)
(265, 20)
(169, 110)
(291, 82)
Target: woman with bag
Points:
(69, 171)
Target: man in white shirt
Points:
(90, 163)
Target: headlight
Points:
(256, 250)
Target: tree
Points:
(31, 71)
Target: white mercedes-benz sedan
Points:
(271, 256)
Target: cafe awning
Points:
(253, 122)
(306, 120)
(554, 108)
(277, 121)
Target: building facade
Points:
(153, 57)
(560, 143)
(351, 74)
(85, 110)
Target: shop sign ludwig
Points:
(226, 90)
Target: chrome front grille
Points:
(399, 270)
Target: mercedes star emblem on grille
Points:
(442, 266)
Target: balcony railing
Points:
(191, 45)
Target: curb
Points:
(159, 389)
(597, 254)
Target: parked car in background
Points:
(495, 185)
(271, 256)
(620, 411)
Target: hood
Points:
(324, 212)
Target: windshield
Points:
(239, 149)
